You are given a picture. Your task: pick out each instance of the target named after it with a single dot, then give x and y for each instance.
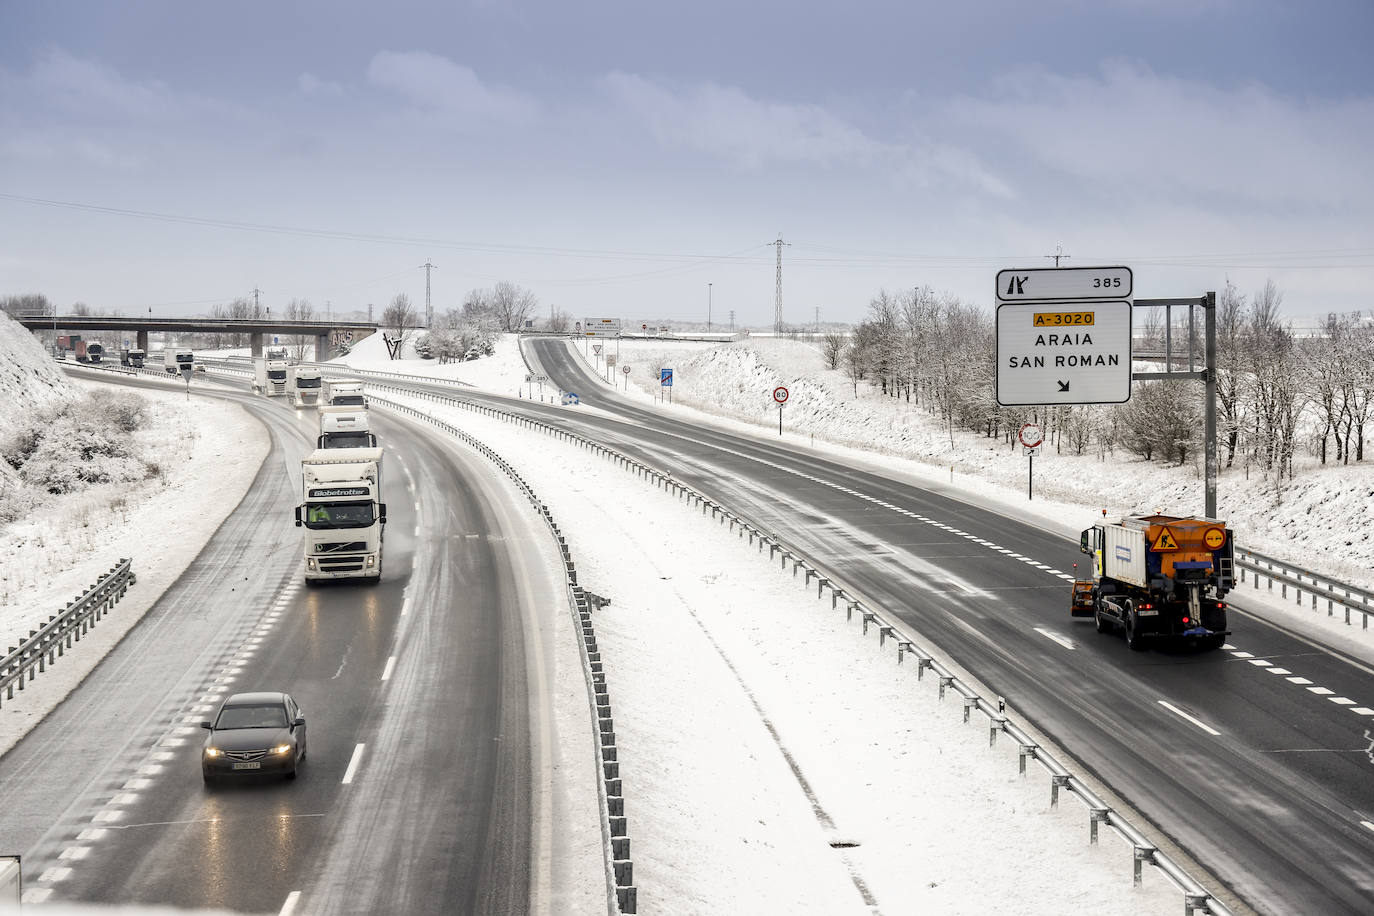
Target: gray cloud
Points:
(430, 82)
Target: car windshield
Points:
(251, 717)
(338, 515)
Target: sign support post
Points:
(780, 395)
(1031, 435)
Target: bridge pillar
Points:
(142, 341)
(255, 340)
(322, 348)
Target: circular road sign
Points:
(625, 369)
(780, 394)
(1031, 435)
(1214, 538)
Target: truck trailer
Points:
(303, 385)
(344, 426)
(1159, 577)
(343, 514)
(344, 391)
(174, 359)
(269, 376)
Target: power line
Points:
(1058, 253)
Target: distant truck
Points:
(280, 353)
(131, 357)
(344, 426)
(303, 385)
(95, 351)
(174, 359)
(269, 376)
(79, 348)
(1159, 576)
(343, 514)
(344, 391)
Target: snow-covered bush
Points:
(71, 446)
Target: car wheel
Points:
(291, 773)
(207, 778)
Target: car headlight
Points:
(212, 752)
(282, 749)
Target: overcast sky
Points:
(618, 157)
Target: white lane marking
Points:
(1066, 643)
(1321, 691)
(405, 606)
(386, 672)
(74, 853)
(1367, 825)
(1242, 655)
(416, 532)
(55, 873)
(1362, 711)
(91, 834)
(105, 817)
(353, 764)
(1261, 663)
(1278, 670)
(1341, 701)
(289, 906)
(37, 895)
(133, 785)
(1297, 680)
(1178, 712)
(125, 798)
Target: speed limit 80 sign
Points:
(780, 394)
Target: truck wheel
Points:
(1103, 624)
(1134, 639)
(1212, 643)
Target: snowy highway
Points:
(1253, 758)
(436, 671)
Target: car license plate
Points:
(252, 765)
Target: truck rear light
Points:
(1221, 605)
(1187, 621)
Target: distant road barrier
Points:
(1306, 583)
(1196, 898)
(45, 645)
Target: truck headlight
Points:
(309, 562)
(371, 561)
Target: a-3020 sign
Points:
(1073, 346)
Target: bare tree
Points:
(559, 321)
(27, 305)
(400, 319)
(832, 348)
(299, 310)
(512, 305)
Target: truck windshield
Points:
(348, 399)
(338, 515)
(277, 375)
(347, 440)
(307, 383)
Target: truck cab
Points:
(343, 514)
(303, 385)
(344, 426)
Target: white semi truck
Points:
(344, 426)
(303, 385)
(174, 359)
(344, 391)
(269, 376)
(343, 514)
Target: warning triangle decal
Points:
(1165, 541)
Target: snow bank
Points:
(29, 377)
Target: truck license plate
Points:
(252, 765)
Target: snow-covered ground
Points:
(707, 698)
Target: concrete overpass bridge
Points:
(329, 335)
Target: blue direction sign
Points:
(665, 377)
(570, 398)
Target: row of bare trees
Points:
(1277, 390)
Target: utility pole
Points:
(329, 313)
(256, 292)
(732, 319)
(818, 319)
(429, 309)
(708, 307)
(1058, 253)
(777, 304)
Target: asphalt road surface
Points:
(420, 792)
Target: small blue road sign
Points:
(665, 377)
(571, 398)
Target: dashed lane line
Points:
(1183, 715)
(353, 764)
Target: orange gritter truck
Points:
(1158, 576)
